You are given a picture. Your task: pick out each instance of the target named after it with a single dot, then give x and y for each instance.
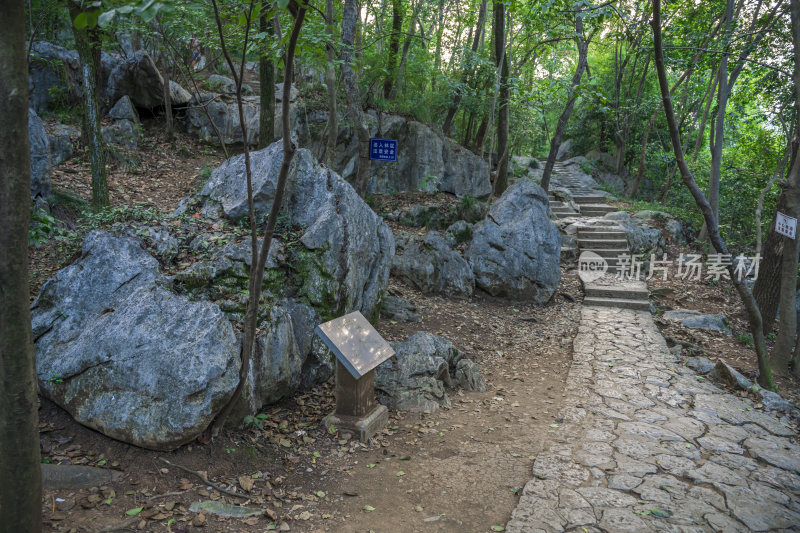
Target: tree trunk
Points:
(167, 98)
(501, 178)
(266, 81)
(480, 135)
(91, 111)
(767, 288)
(555, 143)
(476, 39)
(20, 477)
(349, 18)
(259, 254)
(394, 47)
(719, 131)
(753, 314)
(787, 331)
(437, 58)
(412, 30)
(330, 82)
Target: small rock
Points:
(397, 308)
(727, 374)
(697, 320)
(701, 365)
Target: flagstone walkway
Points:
(647, 445)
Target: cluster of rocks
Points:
(179, 362)
(423, 368)
(426, 160)
(514, 251)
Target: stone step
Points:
(590, 199)
(598, 207)
(567, 215)
(593, 213)
(618, 293)
(610, 252)
(638, 305)
(593, 244)
(603, 233)
(606, 225)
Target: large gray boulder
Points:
(61, 143)
(124, 110)
(127, 357)
(137, 77)
(40, 156)
(224, 114)
(432, 266)
(516, 250)
(122, 133)
(426, 160)
(346, 248)
(52, 69)
(423, 367)
(178, 95)
(641, 239)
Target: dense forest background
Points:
(437, 62)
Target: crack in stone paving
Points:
(645, 445)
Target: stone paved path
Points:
(646, 445)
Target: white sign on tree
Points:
(786, 225)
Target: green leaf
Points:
(134, 512)
(371, 465)
(368, 508)
(283, 3)
(320, 493)
(498, 528)
(80, 21)
(400, 473)
(108, 501)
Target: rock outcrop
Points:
(150, 359)
(432, 266)
(425, 161)
(423, 367)
(516, 250)
(127, 357)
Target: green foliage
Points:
(468, 202)
(746, 339)
(43, 225)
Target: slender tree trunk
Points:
(20, 477)
(91, 110)
(394, 47)
(753, 314)
(476, 39)
(480, 135)
(555, 143)
(349, 18)
(259, 254)
(501, 178)
(437, 58)
(719, 122)
(330, 82)
(709, 99)
(266, 81)
(167, 98)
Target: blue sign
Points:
(383, 149)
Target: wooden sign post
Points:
(359, 349)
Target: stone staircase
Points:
(604, 238)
